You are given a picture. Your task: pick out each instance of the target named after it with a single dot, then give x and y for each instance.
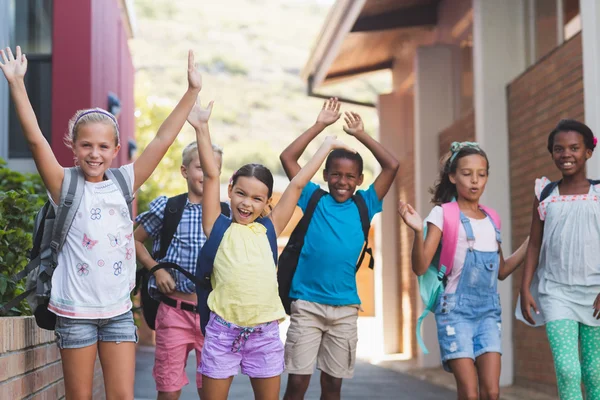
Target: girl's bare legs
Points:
(465, 374)
(266, 388)
(118, 367)
(78, 370)
(215, 389)
(488, 369)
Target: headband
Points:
(456, 147)
(99, 111)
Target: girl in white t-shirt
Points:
(468, 313)
(96, 266)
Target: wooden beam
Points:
(420, 15)
(361, 70)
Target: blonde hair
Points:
(188, 152)
(89, 116)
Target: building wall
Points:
(30, 363)
(94, 31)
(548, 91)
(463, 130)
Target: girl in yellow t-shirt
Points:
(243, 329)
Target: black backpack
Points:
(550, 187)
(173, 212)
(288, 260)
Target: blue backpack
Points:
(205, 264)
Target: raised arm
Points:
(168, 131)
(50, 170)
(531, 262)
(283, 211)
(389, 164)
(329, 114)
(510, 264)
(423, 251)
(211, 202)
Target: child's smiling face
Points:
(249, 197)
(342, 178)
(95, 148)
(470, 177)
(570, 153)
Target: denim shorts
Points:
(468, 326)
(77, 333)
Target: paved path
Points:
(370, 382)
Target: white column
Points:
(590, 31)
(437, 103)
(4, 40)
(498, 57)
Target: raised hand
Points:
(13, 67)
(410, 216)
(354, 124)
(194, 76)
(330, 112)
(199, 115)
(335, 143)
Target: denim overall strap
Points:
(479, 276)
(498, 235)
(468, 229)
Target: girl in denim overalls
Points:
(562, 272)
(468, 314)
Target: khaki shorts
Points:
(323, 334)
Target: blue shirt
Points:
(326, 271)
(186, 244)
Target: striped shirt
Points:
(186, 244)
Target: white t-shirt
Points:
(96, 266)
(485, 240)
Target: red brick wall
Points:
(550, 90)
(30, 363)
(462, 130)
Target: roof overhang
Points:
(363, 36)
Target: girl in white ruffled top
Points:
(561, 281)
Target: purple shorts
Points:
(258, 350)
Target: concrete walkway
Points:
(370, 382)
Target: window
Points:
(31, 28)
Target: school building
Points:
(501, 73)
(78, 58)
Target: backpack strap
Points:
(172, 216)
(71, 193)
(449, 235)
(363, 211)
(271, 235)
(297, 237)
(205, 265)
(117, 176)
(493, 216)
(548, 189)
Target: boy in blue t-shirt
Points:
(323, 327)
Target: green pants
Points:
(567, 338)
